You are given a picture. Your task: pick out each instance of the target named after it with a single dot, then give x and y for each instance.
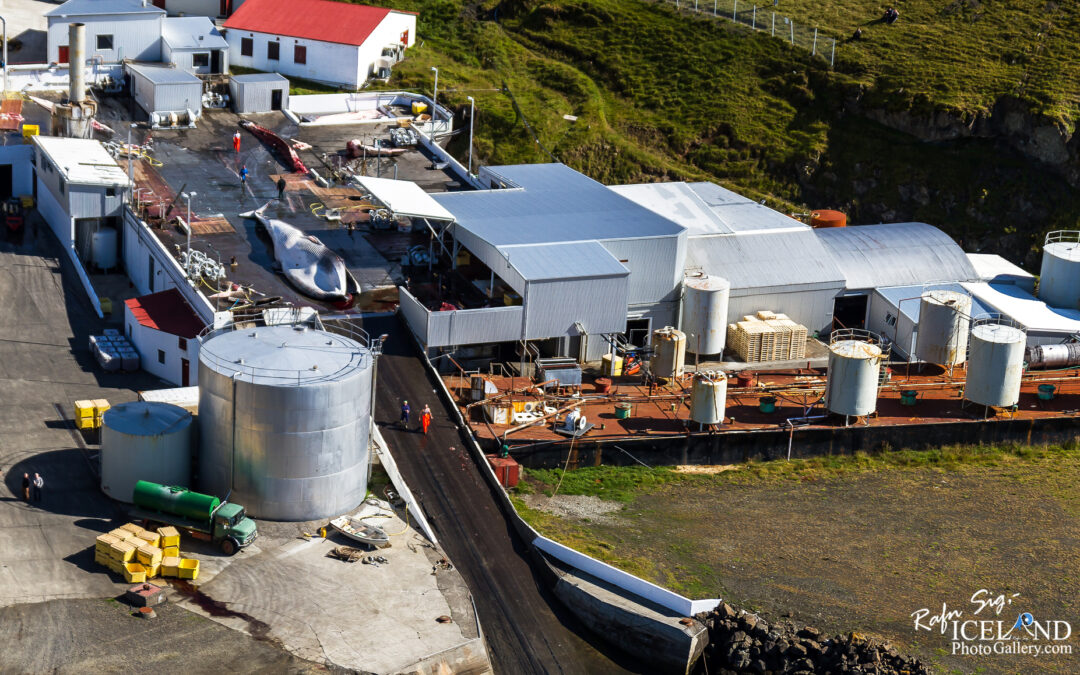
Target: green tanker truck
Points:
(202, 516)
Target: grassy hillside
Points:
(662, 95)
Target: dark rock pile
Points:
(740, 642)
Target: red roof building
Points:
(166, 311)
(163, 327)
(321, 40)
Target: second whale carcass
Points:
(306, 262)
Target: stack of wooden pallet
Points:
(767, 337)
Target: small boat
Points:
(360, 531)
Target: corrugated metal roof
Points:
(583, 259)
(910, 308)
(895, 254)
(1025, 309)
(98, 7)
(249, 78)
(786, 261)
(163, 74)
(554, 205)
(678, 202)
(192, 32)
(82, 161)
(742, 214)
(324, 20)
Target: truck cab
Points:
(232, 527)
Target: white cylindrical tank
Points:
(144, 440)
(669, 352)
(708, 398)
(944, 322)
(1059, 278)
(284, 415)
(704, 313)
(103, 248)
(854, 367)
(996, 364)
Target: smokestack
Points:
(77, 62)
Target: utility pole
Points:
(472, 112)
(434, 102)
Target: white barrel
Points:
(103, 248)
(704, 313)
(669, 352)
(996, 365)
(708, 398)
(944, 322)
(1059, 278)
(852, 385)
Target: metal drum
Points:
(284, 418)
(854, 367)
(996, 363)
(944, 322)
(708, 398)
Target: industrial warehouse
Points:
(305, 348)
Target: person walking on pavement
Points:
(26, 487)
(405, 414)
(281, 188)
(425, 418)
(236, 141)
(243, 175)
(37, 484)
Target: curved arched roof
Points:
(895, 254)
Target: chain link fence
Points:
(764, 18)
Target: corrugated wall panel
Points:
(474, 326)
(416, 315)
(177, 97)
(655, 264)
(554, 306)
(136, 36)
(813, 309)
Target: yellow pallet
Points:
(134, 573)
(148, 555)
(170, 536)
(189, 568)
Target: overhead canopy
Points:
(404, 198)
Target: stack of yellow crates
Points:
(89, 414)
(140, 554)
(100, 406)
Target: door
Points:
(160, 4)
(223, 8)
(215, 61)
(184, 370)
(275, 99)
(5, 181)
(63, 56)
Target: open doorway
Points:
(849, 311)
(638, 331)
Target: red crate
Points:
(506, 470)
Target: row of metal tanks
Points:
(994, 350)
(282, 424)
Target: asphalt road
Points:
(526, 627)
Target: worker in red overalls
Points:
(236, 141)
(425, 419)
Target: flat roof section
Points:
(898, 296)
(1025, 309)
(82, 161)
(163, 74)
(580, 260)
(554, 204)
(678, 202)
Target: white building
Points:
(164, 328)
(320, 40)
(115, 30)
(194, 44)
(210, 8)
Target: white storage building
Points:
(320, 40)
(259, 92)
(115, 30)
(194, 44)
(163, 328)
(161, 89)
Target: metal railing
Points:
(763, 18)
(1071, 236)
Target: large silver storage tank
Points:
(144, 440)
(854, 367)
(944, 322)
(704, 313)
(669, 352)
(1059, 278)
(996, 363)
(708, 398)
(284, 414)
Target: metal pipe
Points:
(472, 110)
(77, 63)
(434, 102)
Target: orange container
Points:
(828, 218)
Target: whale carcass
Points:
(306, 262)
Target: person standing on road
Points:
(281, 188)
(243, 175)
(38, 483)
(236, 141)
(425, 418)
(26, 487)
(405, 414)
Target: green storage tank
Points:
(178, 501)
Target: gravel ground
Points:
(575, 507)
(102, 636)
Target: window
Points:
(247, 47)
(299, 54)
(200, 60)
(110, 192)
(182, 342)
(104, 42)
(160, 356)
(273, 51)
